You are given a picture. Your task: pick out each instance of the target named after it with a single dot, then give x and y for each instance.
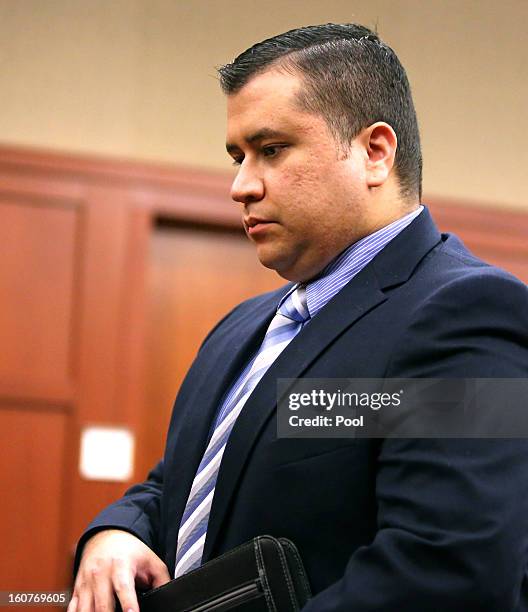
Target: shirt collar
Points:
(350, 262)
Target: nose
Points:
(248, 186)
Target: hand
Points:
(115, 561)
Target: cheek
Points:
(303, 206)
(314, 198)
(301, 188)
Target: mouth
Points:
(256, 225)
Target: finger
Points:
(160, 575)
(72, 606)
(85, 600)
(103, 594)
(123, 583)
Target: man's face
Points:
(303, 200)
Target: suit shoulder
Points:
(469, 319)
(459, 267)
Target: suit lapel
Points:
(393, 266)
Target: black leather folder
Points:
(263, 575)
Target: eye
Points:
(272, 150)
(237, 161)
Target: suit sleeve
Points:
(452, 527)
(137, 512)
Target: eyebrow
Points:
(255, 137)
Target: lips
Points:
(254, 225)
(252, 221)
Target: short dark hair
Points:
(352, 79)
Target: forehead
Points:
(267, 101)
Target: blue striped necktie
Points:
(285, 325)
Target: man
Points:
(322, 127)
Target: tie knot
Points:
(294, 306)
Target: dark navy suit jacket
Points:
(410, 525)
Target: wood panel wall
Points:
(104, 277)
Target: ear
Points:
(379, 142)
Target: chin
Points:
(283, 267)
(272, 263)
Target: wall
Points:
(136, 78)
